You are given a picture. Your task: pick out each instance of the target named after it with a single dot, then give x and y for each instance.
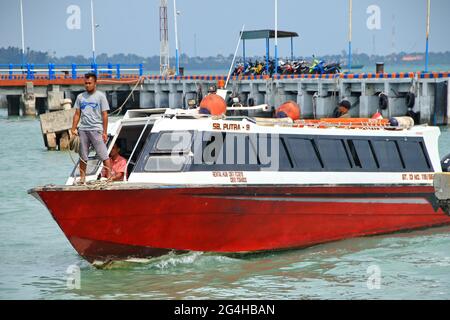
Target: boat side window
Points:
(128, 140)
(168, 151)
(333, 154)
(304, 154)
(286, 161)
(175, 142)
(227, 151)
(166, 163)
(362, 154)
(388, 155)
(414, 156)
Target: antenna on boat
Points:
(234, 57)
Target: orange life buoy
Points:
(289, 109)
(213, 104)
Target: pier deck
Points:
(316, 94)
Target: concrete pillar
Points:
(175, 97)
(184, 96)
(28, 104)
(425, 105)
(324, 107)
(299, 99)
(368, 106)
(255, 94)
(387, 113)
(64, 140)
(3, 102)
(279, 95)
(114, 104)
(56, 125)
(397, 106)
(28, 100)
(269, 98)
(305, 101)
(189, 96)
(146, 100)
(54, 98)
(161, 97)
(50, 141)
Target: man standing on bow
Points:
(92, 108)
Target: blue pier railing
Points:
(73, 71)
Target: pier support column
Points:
(28, 104)
(146, 100)
(368, 106)
(175, 97)
(368, 102)
(397, 105)
(257, 97)
(161, 97)
(269, 98)
(324, 107)
(185, 96)
(305, 102)
(387, 113)
(114, 100)
(3, 102)
(425, 105)
(324, 103)
(28, 100)
(54, 98)
(280, 94)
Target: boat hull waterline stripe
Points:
(327, 200)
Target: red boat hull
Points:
(123, 223)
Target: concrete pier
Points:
(317, 95)
(55, 128)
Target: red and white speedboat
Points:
(243, 184)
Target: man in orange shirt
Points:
(118, 165)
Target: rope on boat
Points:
(139, 81)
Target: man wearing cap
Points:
(342, 111)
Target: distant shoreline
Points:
(412, 60)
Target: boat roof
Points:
(141, 116)
(267, 34)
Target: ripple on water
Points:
(35, 255)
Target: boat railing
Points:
(326, 123)
(403, 123)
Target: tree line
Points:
(14, 55)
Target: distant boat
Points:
(411, 58)
(357, 67)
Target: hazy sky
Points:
(132, 26)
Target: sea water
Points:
(38, 262)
